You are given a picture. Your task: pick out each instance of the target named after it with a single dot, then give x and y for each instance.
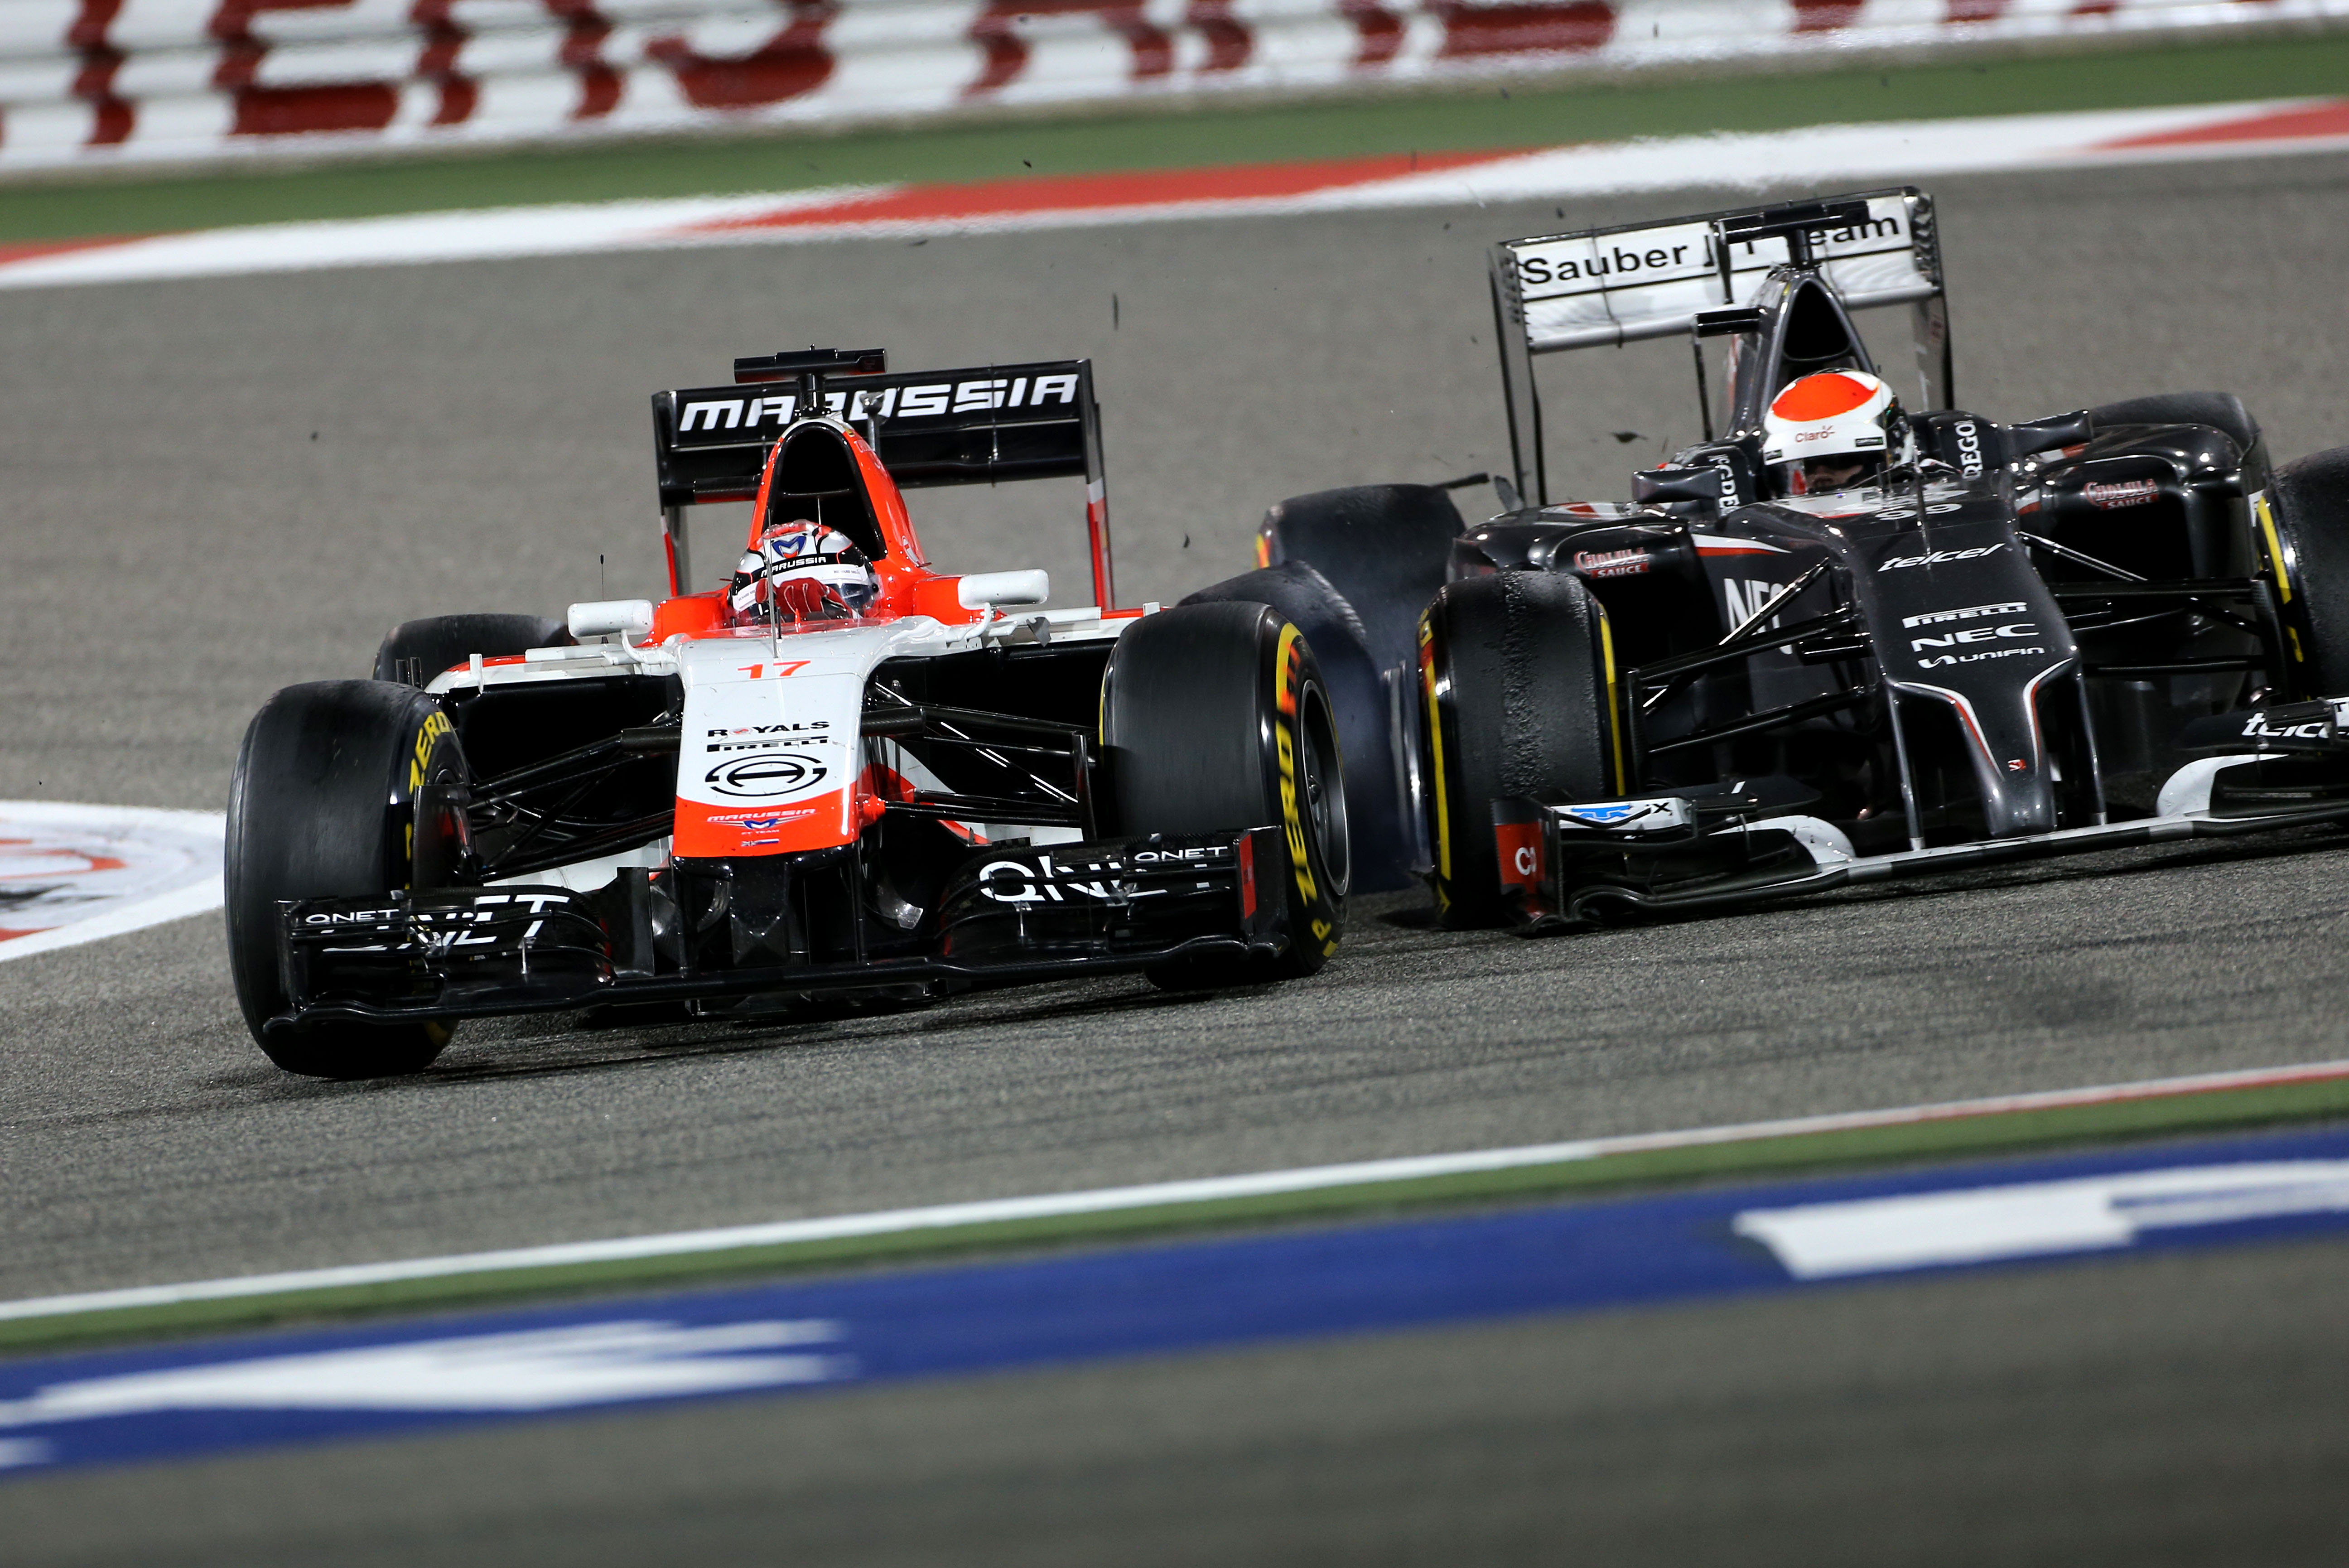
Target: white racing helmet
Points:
(801, 570)
(1831, 431)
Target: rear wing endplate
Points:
(1633, 281)
(980, 425)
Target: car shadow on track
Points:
(563, 1045)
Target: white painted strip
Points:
(2038, 1219)
(1113, 1200)
(488, 235)
(198, 898)
(1901, 150)
(535, 1369)
(72, 874)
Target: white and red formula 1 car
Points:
(742, 799)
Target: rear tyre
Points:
(417, 651)
(1304, 597)
(1384, 547)
(2304, 532)
(343, 789)
(1216, 719)
(1515, 680)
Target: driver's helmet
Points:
(1831, 431)
(801, 571)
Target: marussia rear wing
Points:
(1633, 281)
(981, 425)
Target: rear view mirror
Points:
(1029, 588)
(630, 618)
(1661, 484)
(2048, 434)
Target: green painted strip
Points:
(1483, 118)
(1998, 1133)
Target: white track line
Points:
(201, 898)
(1893, 151)
(1116, 1199)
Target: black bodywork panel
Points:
(1008, 913)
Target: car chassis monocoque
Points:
(661, 805)
(2113, 626)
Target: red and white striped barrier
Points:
(96, 81)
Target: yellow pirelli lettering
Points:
(1291, 823)
(1283, 696)
(1286, 742)
(420, 756)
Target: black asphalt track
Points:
(211, 489)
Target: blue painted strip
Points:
(385, 1377)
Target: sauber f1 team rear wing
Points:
(1703, 275)
(981, 425)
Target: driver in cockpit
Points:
(800, 570)
(1833, 431)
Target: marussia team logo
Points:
(762, 778)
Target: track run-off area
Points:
(219, 485)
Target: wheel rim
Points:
(1323, 786)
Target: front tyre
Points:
(1349, 677)
(1517, 677)
(1215, 721)
(341, 789)
(415, 651)
(2301, 524)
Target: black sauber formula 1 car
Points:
(842, 773)
(2112, 626)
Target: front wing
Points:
(1566, 864)
(1008, 914)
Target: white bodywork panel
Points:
(770, 751)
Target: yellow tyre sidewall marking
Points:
(1287, 739)
(1435, 744)
(421, 752)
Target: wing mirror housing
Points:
(630, 618)
(1654, 486)
(2049, 434)
(1029, 587)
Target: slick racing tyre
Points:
(1514, 680)
(343, 789)
(2302, 530)
(417, 651)
(1216, 719)
(1303, 597)
(1384, 547)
